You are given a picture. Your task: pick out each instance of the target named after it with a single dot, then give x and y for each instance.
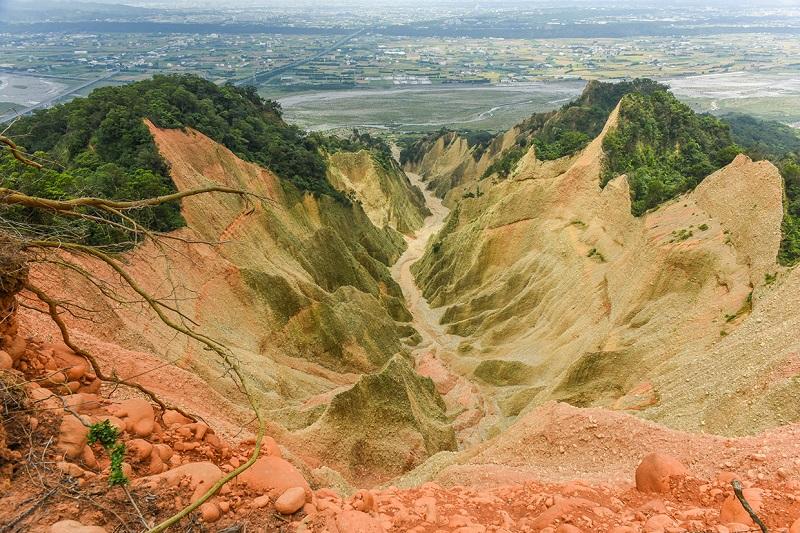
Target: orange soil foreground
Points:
(559, 469)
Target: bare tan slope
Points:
(560, 293)
(386, 194)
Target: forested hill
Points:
(664, 148)
(100, 146)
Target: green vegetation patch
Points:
(664, 148)
(570, 129)
(563, 132)
(502, 373)
(107, 436)
(504, 166)
(355, 142)
(101, 146)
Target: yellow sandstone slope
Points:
(385, 193)
(298, 286)
(559, 292)
(449, 162)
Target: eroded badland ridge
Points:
(497, 336)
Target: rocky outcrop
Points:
(384, 425)
(382, 189)
(448, 163)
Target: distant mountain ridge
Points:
(660, 143)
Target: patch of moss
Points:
(276, 292)
(597, 376)
(503, 373)
(519, 400)
(371, 415)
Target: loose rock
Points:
(291, 501)
(654, 472)
(73, 526)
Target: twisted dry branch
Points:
(737, 490)
(12, 197)
(115, 207)
(52, 307)
(17, 153)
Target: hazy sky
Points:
(372, 5)
(421, 3)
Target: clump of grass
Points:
(681, 235)
(746, 308)
(769, 279)
(703, 227)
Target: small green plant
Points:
(579, 223)
(769, 279)
(681, 235)
(595, 253)
(703, 227)
(745, 309)
(436, 248)
(107, 436)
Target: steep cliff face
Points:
(560, 293)
(297, 285)
(385, 193)
(447, 162)
(388, 423)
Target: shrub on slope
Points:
(565, 131)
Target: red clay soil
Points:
(559, 469)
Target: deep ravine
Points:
(473, 413)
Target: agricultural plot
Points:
(774, 96)
(423, 109)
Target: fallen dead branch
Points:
(737, 490)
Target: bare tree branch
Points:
(12, 197)
(161, 309)
(17, 153)
(737, 489)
